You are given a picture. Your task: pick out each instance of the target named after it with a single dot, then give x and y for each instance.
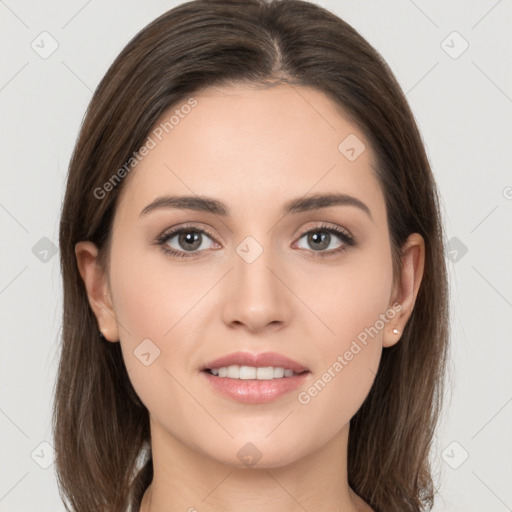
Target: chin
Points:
(257, 454)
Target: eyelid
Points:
(320, 225)
(183, 227)
(328, 226)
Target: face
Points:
(313, 283)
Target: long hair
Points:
(100, 425)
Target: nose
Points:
(256, 296)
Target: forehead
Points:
(255, 147)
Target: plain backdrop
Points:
(453, 60)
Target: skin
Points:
(252, 148)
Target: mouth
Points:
(254, 378)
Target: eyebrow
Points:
(301, 204)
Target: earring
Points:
(396, 331)
(102, 333)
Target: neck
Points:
(185, 480)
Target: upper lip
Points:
(256, 360)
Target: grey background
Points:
(463, 105)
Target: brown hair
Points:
(100, 425)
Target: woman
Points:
(255, 292)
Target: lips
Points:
(264, 359)
(248, 389)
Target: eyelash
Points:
(348, 240)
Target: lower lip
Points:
(253, 391)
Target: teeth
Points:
(250, 372)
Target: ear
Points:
(98, 292)
(406, 289)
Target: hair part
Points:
(100, 425)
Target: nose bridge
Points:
(252, 266)
(256, 296)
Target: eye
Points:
(191, 239)
(320, 238)
(188, 239)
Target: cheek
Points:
(159, 308)
(152, 294)
(349, 297)
(142, 302)
(353, 304)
